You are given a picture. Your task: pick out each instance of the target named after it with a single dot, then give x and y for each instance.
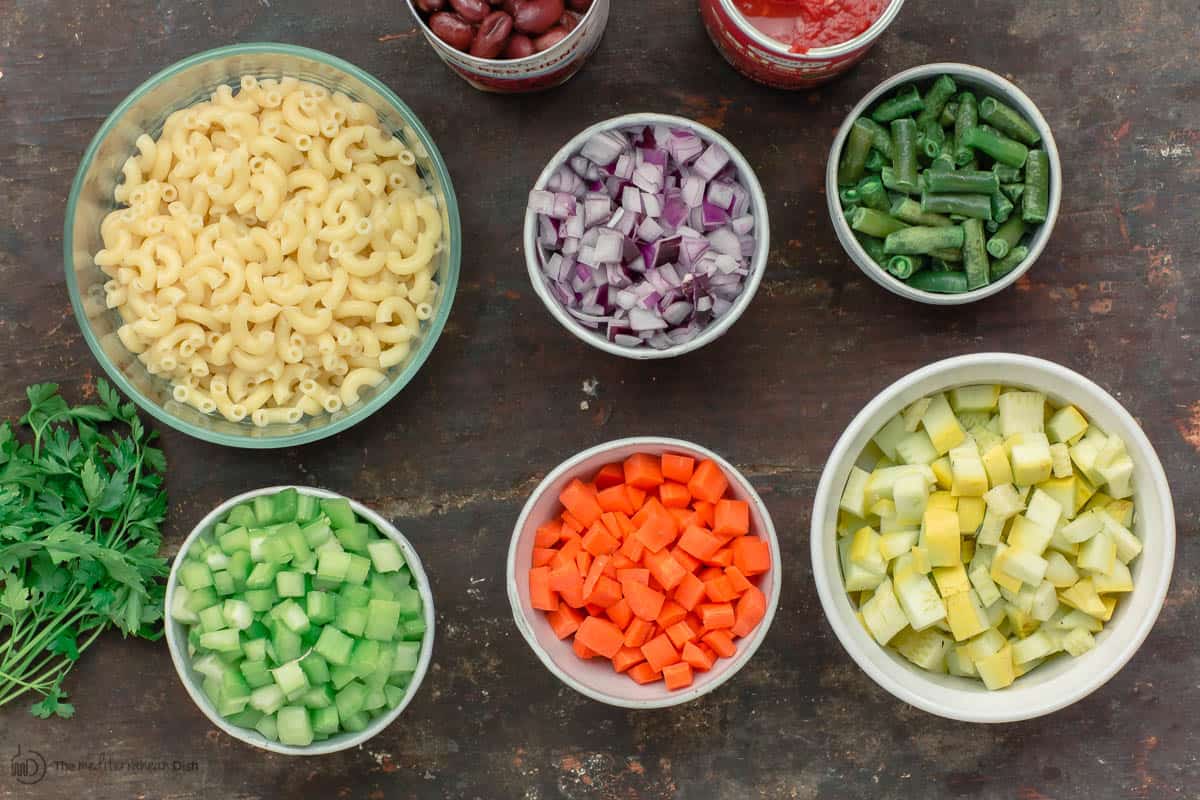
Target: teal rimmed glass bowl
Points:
(144, 111)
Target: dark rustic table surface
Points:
(508, 394)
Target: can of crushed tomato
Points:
(774, 63)
(539, 71)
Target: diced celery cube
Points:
(365, 657)
(222, 641)
(239, 568)
(374, 699)
(195, 574)
(355, 722)
(339, 676)
(275, 550)
(320, 607)
(383, 618)
(340, 514)
(307, 508)
(413, 628)
(354, 537)
(247, 718)
(262, 576)
(179, 606)
(409, 600)
(290, 677)
(360, 567)
(350, 699)
(333, 565)
(286, 643)
(260, 600)
(267, 699)
(394, 695)
(357, 596)
(294, 726)
(242, 516)
(317, 697)
(223, 583)
(268, 728)
(292, 615)
(237, 614)
(334, 646)
(212, 619)
(235, 540)
(289, 583)
(326, 720)
(264, 510)
(385, 555)
(351, 619)
(406, 656)
(317, 533)
(231, 706)
(256, 672)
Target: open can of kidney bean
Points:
(511, 46)
(795, 44)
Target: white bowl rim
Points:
(745, 652)
(842, 227)
(827, 493)
(339, 742)
(758, 262)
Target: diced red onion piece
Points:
(604, 147)
(609, 246)
(649, 230)
(720, 194)
(625, 340)
(724, 240)
(693, 191)
(711, 162)
(643, 320)
(652, 204)
(743, 225)
(624, 167)
(631, 200)
(541, 202)
(677, 312)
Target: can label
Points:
(539, 71)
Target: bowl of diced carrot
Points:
(644, 572)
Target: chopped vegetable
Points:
(325, 638)
(673, 575)
(80, 511)
(990, 549)
(646, 235)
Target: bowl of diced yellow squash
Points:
(993, 538)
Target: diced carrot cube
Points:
(657, 532)
(581, 502)
(625, 524)
(543, 555)
(632, 549)
(595, 570)
(569, 522)
(684, 517)
(635, 574)
(674, 495)
(548, 534)
(620, 613)
(594, 610)
(751, 608)
(677, 468)
(700, 657)
(707, 483)
(652, 507)
(716, 615)
(572, 543)
(710, 573)
(643, 471)
(637, 497)
(665, 569)
(677, 676)
(721, 641)
(564, 620)
(644, 673)
(644, 602)
(598, 541)
(541, 596)
(699, 542)
(626, 657)
(605, 593)
(720, 590)
(581, 649)
(721, 558)
(670, 614)
(659, 652)
(567, 581)
(704, 512)
(737, 579)
(731, 518)
(611, 525)
(601, 636)
(584, 559)
(638, 632)
(615, 498)
(609, 475)
(751, 555)
(681, 633)
(685, 559)
(689, 592)
(620, 562)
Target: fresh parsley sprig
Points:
(81, 507)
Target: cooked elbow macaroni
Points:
(276, 253)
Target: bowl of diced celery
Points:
(300, 621)
(992, 537)
(944, 184)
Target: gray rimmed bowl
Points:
(758, 262)
(177, 637)
(980, 80)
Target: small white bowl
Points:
(758, 262)
(1062, 680)
(980, 80)
(178, 644)
(596, 678)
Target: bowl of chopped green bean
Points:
(944, 184)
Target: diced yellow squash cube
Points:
(951, 580)
(940, 536)
(883, 481)
(1063, 491)
(979, 397)
(1059, 571)
(1098, 554)
(992, 529)
(1022, 412)
(985, 587)
(1110, 605)
(1082, 596)
(1045, 601)
(984, 645)
(970, 478)
(970, 513)
(927, 649)
(855, 494)
(958, 663)
(1121, 580)
(1060, 458)
(1043, 510)
(1129, 546)
(1021, 564)
(1118, 477)
(864, 551)
(882, 614)
(920, 560)
(1004, 501)
(1028, 535)
(1035, 646)
(912, 413)
(985, 438)
(943, 427)
(997, 669)
(997, 466)
(1031, 463)
(1001, 578)
(921, 603)
(1078, 642)
(1020, 620)
(1067, 425)
(897, 543)
(943, 500)
(910, 494)
(1084, 453)
(848, 523)
(1098, 500)
(965, 615)
(892, 432)
(855, 577)
(915, 448)
(968, 550)
(1121, 511)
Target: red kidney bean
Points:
(492, 35)
(452, 29)
(430, 6)
(535, 17)
(510, 6)
(579, 5)
(519, 46)
(549, 39)
(471, 10)
(568, 21)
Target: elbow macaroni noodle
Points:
(275, 253)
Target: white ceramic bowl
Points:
(1062, 680)
(758, 262)
(596, 678)
(178, 644)
(981, 81)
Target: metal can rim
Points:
(864, 39)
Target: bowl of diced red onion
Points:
(647, 235)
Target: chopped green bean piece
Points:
(997, 145)
(1007, 174)
(1002, 208)
(975, 260)
(965, 121)
(881, 140)
(872, 194)
(976, 206)
(874, 223)
(910, 211)
(849, 196)
(1006, 237)
(932, 139)
(944, 162)
(903, 266)
(1035, 202)
(904, 163)
(1008, 121)
(948, 254)
(876, 161)
(1014, 191)
(888, 176)
(935, 100)
(906, 101)
(922, 240)
(874, 247)
(946, 118)
(966, 182)
(942, 265)
(1014, 259)
(854, 156)
(939, 282)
